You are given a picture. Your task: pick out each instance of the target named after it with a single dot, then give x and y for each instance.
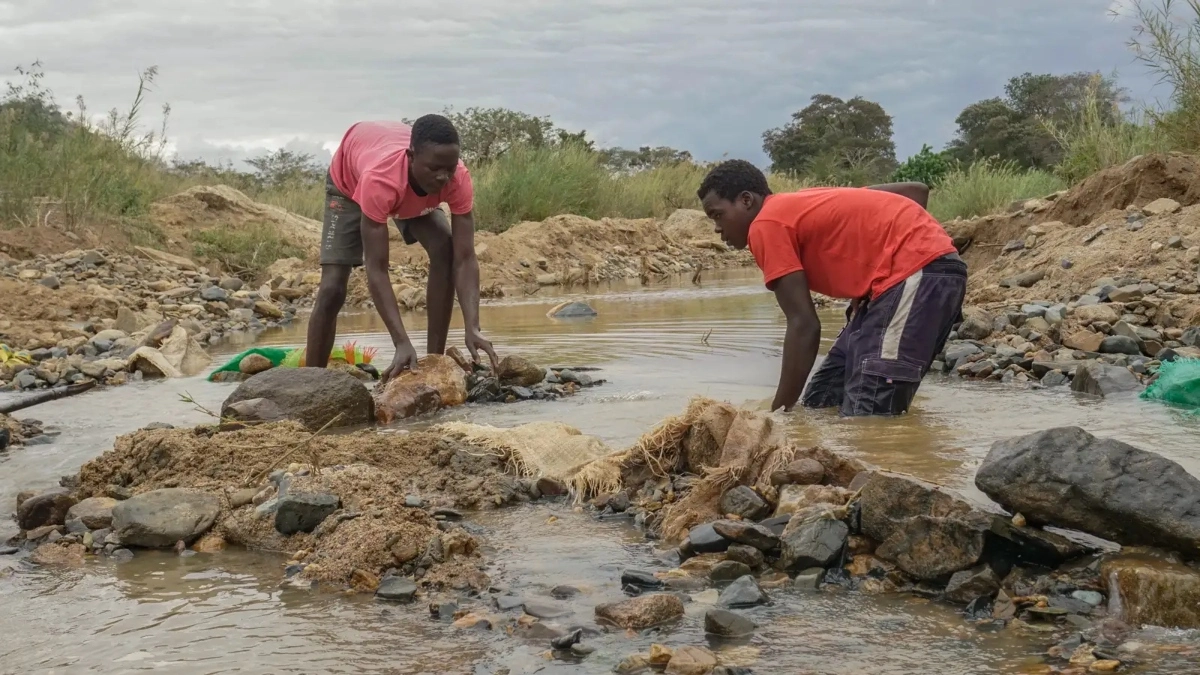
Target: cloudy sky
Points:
(704, 75)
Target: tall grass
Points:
(245, 250)
(1093, 142)
(988, 186)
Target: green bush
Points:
(926, 167)
(988, 186)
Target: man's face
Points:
(433, 166)
(732, 218)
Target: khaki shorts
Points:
(341, 238)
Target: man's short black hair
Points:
(733, 177)
(433, 129)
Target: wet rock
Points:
(1054, 378)
(1101, 379)
(728, 570)
(543, 610)
(311, 396)
(1120, 344)
(253, 364)
(640, 579)
(159, 518)
(641, 612)
(796, 498)
(750, 534)
(407, 392)
(743, 501)
(968, 585)
(922, 528)
(94, 512)
(515, 370)
(743, 592)
(1067, 477)
(396, 588)
(813, 542)
(806, 471)
(1155, 592)
(619, 502)
(691, 661)
(408, 400)
(747, 555)
(1090, 597)
(564, 592)
(724, 623)
(704, 539)
(303, 512)
(571, 310)
(549, 487)
(567, 641)
(48, 508)
(809, 579)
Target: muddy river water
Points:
(657, 347)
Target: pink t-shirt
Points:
(371, 168)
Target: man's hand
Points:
(405, 359)
(475, 342)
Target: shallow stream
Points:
(657, 347)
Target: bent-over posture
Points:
(877, 247)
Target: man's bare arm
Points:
(801, 341)
(918, 192)
(466, 282)
(379, 283)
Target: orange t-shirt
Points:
(848, 241)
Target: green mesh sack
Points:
(276, 355)
(1178, 384)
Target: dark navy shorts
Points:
(341, 239)
(888, 345)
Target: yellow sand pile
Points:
(207, 206)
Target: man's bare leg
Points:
(433, 232)
(322, 324)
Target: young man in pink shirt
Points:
(389, 169)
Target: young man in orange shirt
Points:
(877, 247)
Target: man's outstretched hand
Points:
(405, 359)
(476, 342)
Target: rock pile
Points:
(76, 314)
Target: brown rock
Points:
(839, 469)
(48, 508)
(520, 372)
(406, 392)
(1084, 340)
(462, 361)
(806, 471)
(660, 655)
(94, 512)
(796, 498)
(641, 612)
(268, 309)
(691, 661)
(1155, 592)
(364, 581)
(209, 543)
(55, 554)
(1089, 314)
(403, 402)
(252, 364)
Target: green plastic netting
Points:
(284, 357)
(276, 355)
(1178, 384)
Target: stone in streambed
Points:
(94, 512)
(640, 579)
(725, 623)
(797, 498)
(311, 396)
(255, 410)
(813, 542)
(743, 592)
(520, 372)
(750, 534)
(728, 570)
(968, 585)
(406, 394)
(303, 512)
(160, 518)
(704, 539)
(743, 501)
(747, 555)
(805, 471)
(1099, 379)
(641, 612)
(691, 661)
(48, 508)
(1070, 478)
(253, 364)
(396, 588)
(571, 310)
(1155, 592)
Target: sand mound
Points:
(371, 473)
(211, 205)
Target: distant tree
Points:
(1017, 127)
(851, 139)
(624, 160)
(926, 167)
(284, 167)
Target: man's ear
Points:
(746, 200)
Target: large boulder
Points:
(311, 396)
(407, 394)
(1155, 592)
(1070, 478)
(921, 527)
(160, 518)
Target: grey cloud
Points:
(703, 75)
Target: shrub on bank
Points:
(988, 186)
(244, 250)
